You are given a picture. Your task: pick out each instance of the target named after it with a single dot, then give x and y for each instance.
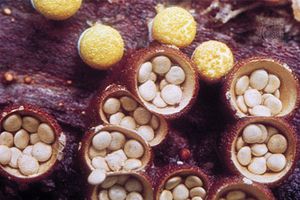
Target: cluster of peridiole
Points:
(126, 112)
(237, 195)
(183, 187)
(112, 151)
(120, 188)
(160, 82)
(259, 94)
(25, 143)
(261, 148)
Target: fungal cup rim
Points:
(190, 84)
(257, 190)
(57, 147)
(86, 143)
(144, 179)
(290, 154)
(182, 171)
(119, 91)
(289, 84)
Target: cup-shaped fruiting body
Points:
(182, 182)
(231, 188)
(109, 149)
(263, 149)
(261, 87)
(164, 79)
(129, 185)
(174, 26)
(117, 106)
(214, 60)
(57, 9)
(31, 143)
(101, 46)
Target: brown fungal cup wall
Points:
(224, 185)
(147, 191)
(182, 171)
(117, 91)
(45, 168)
(228, 147)
(190, 85)
(289, 88)
(86, 143)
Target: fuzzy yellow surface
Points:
(214, 59)
(175, 26)
(101, 46)
(57, 9)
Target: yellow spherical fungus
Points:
(175, 26)
(57, 9)
(214, 59)
(101, 46)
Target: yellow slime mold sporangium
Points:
(57, 9)
(101, 46)
(214, 60)
(174, 26)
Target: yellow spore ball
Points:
(175, 26)
(101, 46)
(57, 9)
(214, 59)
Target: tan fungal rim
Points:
(248, 189)
(190, 85)
(257, 191)
(289, 88)
(181, 171)
(290, 154)
(119, 91)
(147, 186)
(187, 85)
(47, 167)
(87, 140)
